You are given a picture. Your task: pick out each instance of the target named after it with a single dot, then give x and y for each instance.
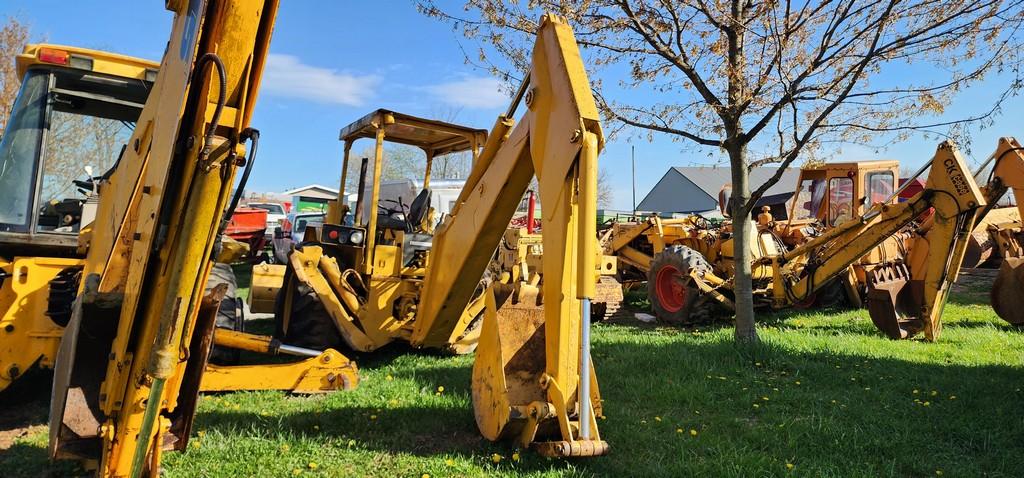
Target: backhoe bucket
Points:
(1008, 289)
(510, 399)
(895, 302)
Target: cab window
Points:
(880, 186)
(808, 201)
(840, 200)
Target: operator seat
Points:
(418, 209)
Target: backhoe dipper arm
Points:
(561, 115)
(956, 198)
(1007, 173)
(125, 389)
(532, 397)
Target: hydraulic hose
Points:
(253, 135)
(221, 100)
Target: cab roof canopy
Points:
(854, 165)
(433, 137)
(85, 59)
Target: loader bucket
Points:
(1007, 291)
(895, 301)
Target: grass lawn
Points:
(826, 395)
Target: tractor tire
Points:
(672, 294)
(230, 315)
(310, 325)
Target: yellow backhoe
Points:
(75, 110)
(388, 276)
(905, 291)
(133, 355)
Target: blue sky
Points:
(334, 61)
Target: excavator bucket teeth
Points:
(892, 303)
(1007, 299)
(509, 364)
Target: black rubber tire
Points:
(229, 315)
(310, 324)
(683, 259)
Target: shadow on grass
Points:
(830, 413)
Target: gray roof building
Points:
(695, 189)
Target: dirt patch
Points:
(24, 407)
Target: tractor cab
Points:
(74, 112)
(828, 194)
(393, 221)
(836, 192)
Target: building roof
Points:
(710, 179)
(314, 188)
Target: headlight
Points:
(356, 237)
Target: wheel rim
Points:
(669, 288)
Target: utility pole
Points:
(632, 153)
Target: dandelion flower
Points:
(389, 378)
(764, 398)
(797, 382)
(938, 472)
(312, 465)
(693, 432)
(373, 417)
(926, 403)
(496, 458)
(657, 419)
(757, 406)
(789, 466)
(935, 392)
(952, 397)
(425, 475)
(679, 430)
(296, 472)
(440, 388)
(316, 427)
(915, 391)
(515, 456)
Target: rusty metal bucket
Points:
(513, 397)
(1008, 291)
(895, 301)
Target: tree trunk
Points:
(743, 235)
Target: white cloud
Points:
(470, 92)
(287, 75)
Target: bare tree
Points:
(605, 195)
(455, 165)
(764, 82)
(13, 37)
(399, 162)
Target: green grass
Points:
(825, 393)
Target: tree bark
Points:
(743, 235)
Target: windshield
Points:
(271, 208)
(18, 150)
(808, 199)
(73, 124)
